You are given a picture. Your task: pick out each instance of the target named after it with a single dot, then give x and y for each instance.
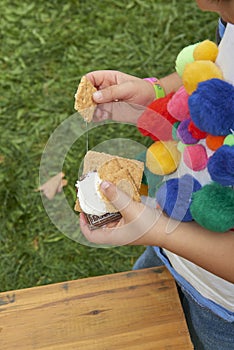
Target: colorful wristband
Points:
(159, 92)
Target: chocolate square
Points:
(96, 221)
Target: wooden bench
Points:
(133, 310)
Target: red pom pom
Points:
(156, 122)
(195, 132)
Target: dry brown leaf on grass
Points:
(54, 185)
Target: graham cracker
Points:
(121, 177)
(84, 103)
(93, 160)
(77, 206)
(135, 168)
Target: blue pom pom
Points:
(174, 197)
(221, 166)
(212, 107)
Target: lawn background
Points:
(46, 46)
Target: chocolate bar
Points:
(96, 221)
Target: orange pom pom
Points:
(197, 72)
(206, 50)
(214, 142)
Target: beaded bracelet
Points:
(159, 92)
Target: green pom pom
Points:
(174, 131)
(181, 146)
(229, 140)
(213, 207)
(185, 56)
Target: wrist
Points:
(158, 89)
(152, 232)
(171, 83)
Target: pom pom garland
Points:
(163, 157)
(212, 107)
(213, 207)
(195, 157)
(183, 133)
(221, 166)
(174, 197)
(178, 105)
(229, 140)
(214, 142)
(206, 50)
(156, 122)
(197, 72)
(174, 131)
(181, 146)
(203, 108)
(185, 56)
(195, 132)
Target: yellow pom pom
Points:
(206, 50)
(197, 72)
(163, 157)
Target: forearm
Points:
(210, 250)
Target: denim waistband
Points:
(194, 294)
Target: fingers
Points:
(103, 236)
(112, 93)
(119, 199)
(111, 85)
(104, 78)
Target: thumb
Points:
(118, 198)
(112, 93)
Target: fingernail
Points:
(105, 185)
(97, 96)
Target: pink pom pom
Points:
(178, 105)
(195, 157)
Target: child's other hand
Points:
(135, 227)
(117, 86)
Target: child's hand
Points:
(135, 227)
(114, 85)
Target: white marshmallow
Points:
(89, 196)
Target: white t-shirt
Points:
(207, 284)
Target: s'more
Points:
(125, 173)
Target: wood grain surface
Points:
(133, 310)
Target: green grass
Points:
(46, 46)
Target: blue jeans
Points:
(207, 330)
